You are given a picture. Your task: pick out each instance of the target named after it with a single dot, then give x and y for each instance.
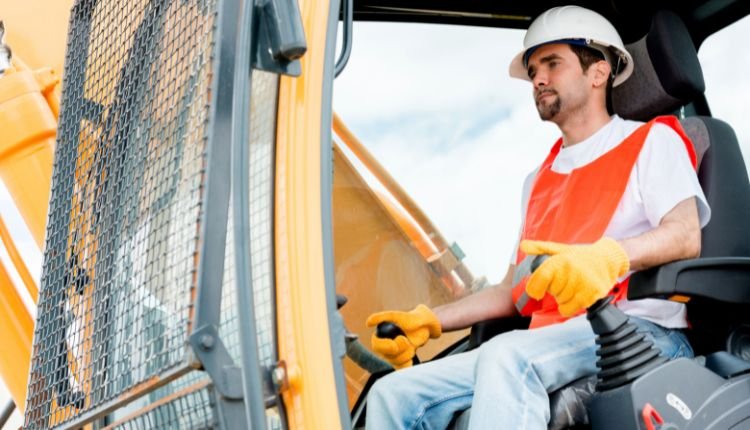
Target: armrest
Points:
(486, 330)
(726, 279)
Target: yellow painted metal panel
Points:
(37, 31)
(17, 260)
(303, 332)
(27, 139)
(16, 326)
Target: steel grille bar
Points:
(185, 408)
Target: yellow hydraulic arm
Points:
(29, 105)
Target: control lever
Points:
(388, 330)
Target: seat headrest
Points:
(667, 72)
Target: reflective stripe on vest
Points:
(577, 207)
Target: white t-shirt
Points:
(662, 178)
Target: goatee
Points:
(548, 111)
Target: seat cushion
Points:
(567, 406)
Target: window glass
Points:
(725, 66)
(436, 107)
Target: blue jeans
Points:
(505, 381)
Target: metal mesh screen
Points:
(199, 413)
(122, 236)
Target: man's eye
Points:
(532, 74)
(552, 64)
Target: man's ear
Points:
(601, 70)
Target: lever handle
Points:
(388, 330)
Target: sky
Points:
(436, 107)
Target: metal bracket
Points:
(457, 251)
(444, 262)
(5, 53)
(346, 47)
(279, 39)
(214, 356)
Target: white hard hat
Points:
(574, 24)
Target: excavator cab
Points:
(668, 80)
(216, 235)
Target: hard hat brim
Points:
(518, 70)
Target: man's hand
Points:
(418, 326)
(576, 275)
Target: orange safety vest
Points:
(577, 207)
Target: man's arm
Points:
(677, 237)
(492, 302)
(578, 275)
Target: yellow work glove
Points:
(575, 275)
(418, 326)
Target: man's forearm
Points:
(489, 303)
(677, 237)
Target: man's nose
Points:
(540, 79)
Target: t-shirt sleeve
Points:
(525, 193)
(666, 177)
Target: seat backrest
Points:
(668, 76)
(724, 179)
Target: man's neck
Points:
(580, 127)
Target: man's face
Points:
(558, 79)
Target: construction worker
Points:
(612, 197)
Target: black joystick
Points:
(624, 354)
(388, 330)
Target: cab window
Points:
(724, 70)
(436, 108)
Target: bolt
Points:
(207, 341)
(278, 375)
(4, 51)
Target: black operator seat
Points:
(667, 77)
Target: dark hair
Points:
(588, 56)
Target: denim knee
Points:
(673, 343)
(505, 352)
(381, 392)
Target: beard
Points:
(548, 110)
